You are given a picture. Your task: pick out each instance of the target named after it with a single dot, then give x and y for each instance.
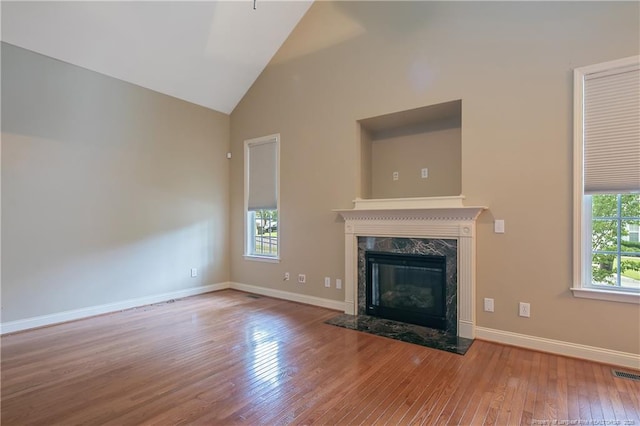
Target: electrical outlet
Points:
(396, 175)
(525, 310)
(287, 277)
(194, 272)
(338, 283)
(424, 173)
(327, 282)
(488, 304)
(302, 278)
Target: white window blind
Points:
(263, 185)
(612, 131)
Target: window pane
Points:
(603, 269)
(265, 240)
(629, 235)
(630, 273)
(605, 205)
(604, 236)
(630, 255)
(604, 239)
(630, 205)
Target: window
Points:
(607, 181)
(261, 161)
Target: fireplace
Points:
(415, 226)
(406, 287)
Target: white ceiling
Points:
(205, 52)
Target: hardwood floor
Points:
(228, 358)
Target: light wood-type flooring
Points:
(228, 358)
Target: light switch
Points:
(498, 226)
(488, 304)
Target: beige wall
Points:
(109, 191)
(511, 64)
(438, 150)
(365, 164)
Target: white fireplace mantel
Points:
(432, 217)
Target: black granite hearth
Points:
(423, 336)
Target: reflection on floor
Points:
(424, 336)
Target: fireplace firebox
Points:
(406, 287)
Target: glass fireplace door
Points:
(407, 287)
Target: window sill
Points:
(612, 296)
(262, 258)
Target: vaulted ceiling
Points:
(205, 52)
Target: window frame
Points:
(582, 285)
(248, 234)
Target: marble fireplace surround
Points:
(427, 218)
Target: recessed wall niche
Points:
(395, 150)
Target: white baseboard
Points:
(591, 353)
(466, 329)
(293, 297)
(44, 320)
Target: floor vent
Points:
(626, 375)
(253, 296)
